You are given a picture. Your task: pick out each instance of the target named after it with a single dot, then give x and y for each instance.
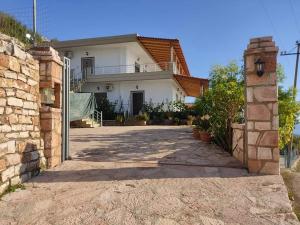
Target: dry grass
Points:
(289, 177)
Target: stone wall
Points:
(21, 147)
(30, 111)
(262, 107)
(261, 152)
(51, 117)
(238, 144)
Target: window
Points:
(137, 67)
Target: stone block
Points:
(262, 125)
(13, 118)
(2, 102)
(259, 112)
(265, 94)
(13, 159)
(15, 180)
(32, 82)
(271, 168)
(249, 94)
(269, 139)
(275, 108)
(18, 52)
(252, 137)
(266, 79)
(9, 62)
(12, 101)
(254, 165)
(3, 148)
(276, 154)
(11, 146)
(47, 125)
(3, 187)
(2, 164)
(8, 110)
(10, 74)
(1, 110)
(275, 123)
(22, 78)
(2, 93)
(264, 153)
(25, 70)
(252, 152)
(8, 173)
(5, 128)
(30, 105)
(21, 94)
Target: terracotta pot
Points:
(196, 133)
(205, 137)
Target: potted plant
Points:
(204, 126)
(142, 119)
(196, 128)
(120, 119)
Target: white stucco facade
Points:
(114, 64)
(155, 91)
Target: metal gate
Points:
(65, 110)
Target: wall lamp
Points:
(260, 67)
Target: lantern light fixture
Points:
(260, 67)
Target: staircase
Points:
(94, 120)
(84, 123)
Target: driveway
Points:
(147, 175)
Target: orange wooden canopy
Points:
(160, 50)
(193, 86)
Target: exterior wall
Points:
(21, 147)
(260, 150)
(155, 91)
(238, 143)
(262, 108)
(51, 113)
(116, 58)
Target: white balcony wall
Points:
(112, 58)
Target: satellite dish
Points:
(28, 36)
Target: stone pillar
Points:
(261, 130)
(51, 68)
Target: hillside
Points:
(12, 27)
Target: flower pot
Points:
(205, 137)
(196, 133)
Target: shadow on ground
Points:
(150, 153)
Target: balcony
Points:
(116, 73)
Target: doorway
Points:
(137, 100)
(87, 66)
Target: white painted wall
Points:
(111, 58)
(155, 91)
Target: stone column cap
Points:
(46, 53)
(261, 44)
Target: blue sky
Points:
(211, 32)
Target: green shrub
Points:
(12, 27)
(143, 117)
(223, 103)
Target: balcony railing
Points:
(78, 76)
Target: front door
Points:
(87, 66)
(137, 101)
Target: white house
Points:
(131, 69)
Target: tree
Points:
(223, 102)
(288, 110)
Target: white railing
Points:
(79, 77)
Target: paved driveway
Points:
(147, 175)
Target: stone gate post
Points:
(261, 116)
(50, 72)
